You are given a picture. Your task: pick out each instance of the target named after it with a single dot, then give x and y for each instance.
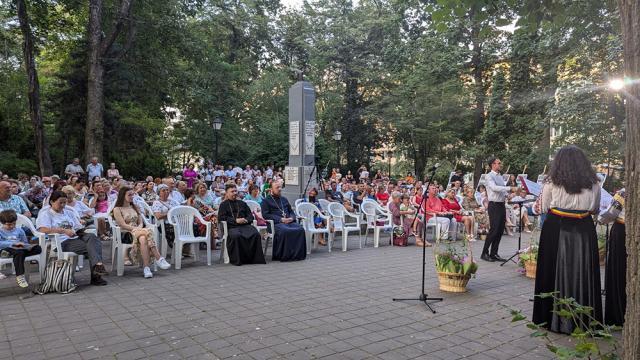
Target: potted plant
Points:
(528, 260)
(455, 267)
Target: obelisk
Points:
(302, 132)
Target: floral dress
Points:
(130, 220)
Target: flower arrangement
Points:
(528, 260)
(453, 262)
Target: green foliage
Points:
(593, 339)
(438, 81)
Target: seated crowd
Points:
(66, 207)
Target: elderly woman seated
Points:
(395, 207)
(480, 215)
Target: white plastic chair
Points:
(373, 214)
(324, 205)
(182, 218)
(118, 248)
(41, 258)
(224, 231)
(339, 214)
(307, 211)
(224, 235)
(269, 230)
(295, 206)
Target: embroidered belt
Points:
(573, 214)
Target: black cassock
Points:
(244, 243)
(289, 243)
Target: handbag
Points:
(58, 277)
(260, 221)
(400, 238)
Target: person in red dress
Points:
(436, 212)
(450, 202)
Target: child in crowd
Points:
(13, 243)
(406, 206)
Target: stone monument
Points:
(302, 132)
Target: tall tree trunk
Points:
(630, 22)
(479, 94)
(94, 130)
(99, 47)
(42, 151)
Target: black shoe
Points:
(497, 257)
(486, 257)
(100, 270)
(97, 280)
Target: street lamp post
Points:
(337, 135)
(389, 154)
(217, 125)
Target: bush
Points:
(12, 165)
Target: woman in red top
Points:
(451, 204)
(382, 196)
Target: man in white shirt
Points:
(496, 193)
(94, 169)
(248, 172)
(269, 172)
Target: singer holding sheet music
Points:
(497, 193)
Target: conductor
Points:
(497, 193)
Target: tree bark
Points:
(42, 151)
(98, 49)
(630, 22)
(479, 94)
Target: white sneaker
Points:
(163, 264)
(147, 273)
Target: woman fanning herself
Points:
(568, 261)
(127, 216)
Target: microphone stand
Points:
(423, 297)
(519, 203)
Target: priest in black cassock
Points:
(289, 243)
(244, 243)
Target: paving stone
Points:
(332, 306)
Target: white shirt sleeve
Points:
(491, 184)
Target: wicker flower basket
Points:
(530, 268)
(453, 282)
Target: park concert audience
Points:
(85, 196)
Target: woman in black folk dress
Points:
(568, 262)
(615, 301)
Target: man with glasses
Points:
(497, 193)
(8, 201)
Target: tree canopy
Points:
(446, 81)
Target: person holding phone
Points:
(65, 222)
(14, 243)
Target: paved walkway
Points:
(334, 306)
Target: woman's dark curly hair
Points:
(572, 170)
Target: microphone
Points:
(434, 167)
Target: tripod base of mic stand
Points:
(424, 298)
(511, 259)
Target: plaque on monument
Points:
(309, 137)
(291, 176)
(294, 138)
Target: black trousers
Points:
(497, 218)
(19, 255)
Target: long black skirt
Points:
(615, 301)
(244, 245)
(568, 264)
(289, 243)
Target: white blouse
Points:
(554, 196)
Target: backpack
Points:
(58, 277)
